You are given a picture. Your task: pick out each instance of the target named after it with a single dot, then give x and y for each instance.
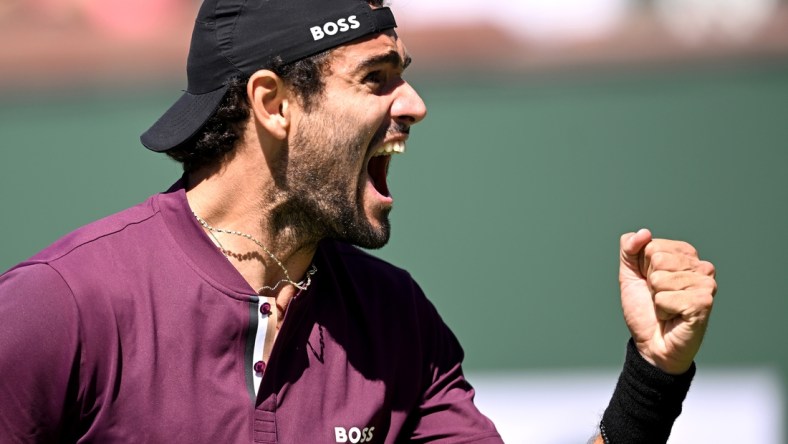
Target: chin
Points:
(368, 234)
(372, 244)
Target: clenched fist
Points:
(667, 294)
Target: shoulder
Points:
(40, 346)
(45, 280)
(91, 260)
(35, 297)
(95, 232)
(38, 282)
(38, 314)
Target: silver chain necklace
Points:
(301, 285)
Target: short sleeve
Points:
(40, 358)
(447, 413)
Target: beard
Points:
(320, 191)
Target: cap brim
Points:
(182, 120)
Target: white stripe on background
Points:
(563, 407)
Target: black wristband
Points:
(645, 403)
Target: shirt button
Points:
(265, 309)
(259, 366)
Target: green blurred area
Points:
(509, 201)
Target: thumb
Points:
(633, 263)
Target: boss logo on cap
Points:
(331, 28)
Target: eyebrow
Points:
(390, 58)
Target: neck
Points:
(233, 200)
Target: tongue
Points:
(377, 171)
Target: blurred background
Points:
(554, 126)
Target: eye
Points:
(375, 78)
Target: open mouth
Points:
(378, 165)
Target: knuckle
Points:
(706, 285)
(659, 260)
(663, 297)
(657, 278)
(707, 268)
(651, 248)
(687, 248)
(705, 301)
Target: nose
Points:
(408, 107)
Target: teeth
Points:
(390, 148)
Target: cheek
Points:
(338, 142)
(348, 151)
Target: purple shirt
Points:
(136, 329)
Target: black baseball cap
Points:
(238, 37)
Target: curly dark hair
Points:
(221, 131)
(218, 136)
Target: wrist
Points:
(645, 403)
(668, 366)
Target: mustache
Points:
(395, 129)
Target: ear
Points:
(269, 100)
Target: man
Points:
(232, 308)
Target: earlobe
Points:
(269, 102)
